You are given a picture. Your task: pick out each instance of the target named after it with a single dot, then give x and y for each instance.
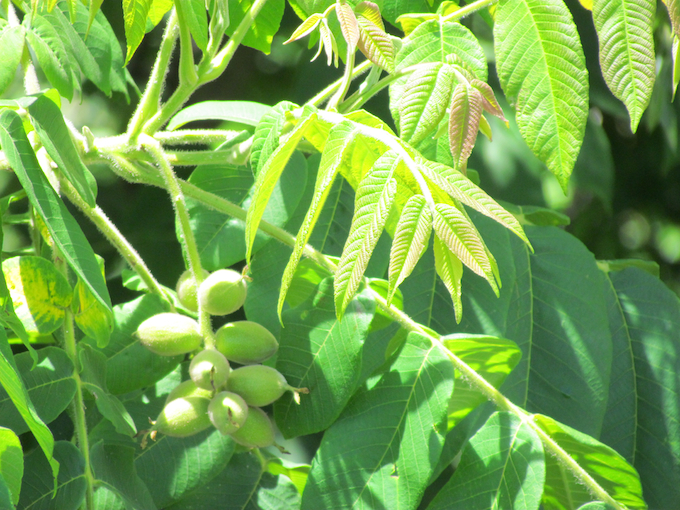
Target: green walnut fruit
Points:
(257, 431)
(223, 292)
(228, 412)
(209, 370)
(187, 389)
(187, 293)
(245, 342)
(260, 385)
(170, 334)
(183, 417)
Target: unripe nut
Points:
(245, 342)
(187, 389)
(187, 293)
(259, 385)
(209, 370)
(170, 334)
(257, 431)
(223, 292)
(227, 412)
(183, 417)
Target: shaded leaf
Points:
(11, 463)
(502, 466)
(450, 270)
(323, 354)
(624, 29)
(542, 70)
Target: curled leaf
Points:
(307, 27)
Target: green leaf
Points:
(410, 241)
(424, 100)
(466, 112)
(502, 466)
(40, 293)
(173, 468)
(374, 42)
(5, 495)
(382, 450)
(262, 30)
(245, 484)
(11, 462)
(433, 41)
(297, 473)
(373, 200)
(450, 270)
(243, 112)
(491, 357)
(461, 237)
(267, 133)
(92, 318)
(129, 364)
(340, 137)
(348, 24)
(157, 10)
(11, 49)
(540, 62)
(196, 17)
(63, 228)
(38, 486)
(93, 376)
(50, 386)
(624, 29)
(599, 461)
(461, 188)
(134, 16)
(114, 469)
(14, 386)
(51, 54)
(92, 12)
(322, 354)
(268, 177)
(643, 408)
(220, 238)
(54, 136)
(596, 505)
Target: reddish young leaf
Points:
(489, 102)
(466, 110)
(348, 24)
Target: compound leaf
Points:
(134, 16)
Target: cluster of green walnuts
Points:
(228, 399)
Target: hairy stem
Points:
(186, 235)
(150, 101)
(346, 80)
(330, 90)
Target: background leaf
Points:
(542, 70)
(11, 48)
(11, 463)
(261, 32)
(242, 112)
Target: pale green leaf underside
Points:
(624, 28)
(374, 198)
(410, 241)
(542, 70)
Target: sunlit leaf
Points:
(450, 270)
(134, 16)
(466, 110)
(348, 24)
(11, 49)
(374, 42)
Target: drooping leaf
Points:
(38, 485)
(196, 17)
(373, 201)
(401, 420)
(54, 136)
(269, 176)
(322, 354)
(306, 27)
(262, 30)
(602, 463)
(410, 241)
(50, 387)
(114, 469)
(157, 10)
(245, 484)
(92, 12)
(542, 70)
(461, 237)
(489, 101)
(374, 42)
(502, 466)
(243, 112)
(63, 228)
(134, 16)
(450, 270)
(14, 386)
(624, 29)
(640, 423)
(466, 111)
(11, 49)
(93, 376)
(424, 101)
(40, 293)
(11, 463)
